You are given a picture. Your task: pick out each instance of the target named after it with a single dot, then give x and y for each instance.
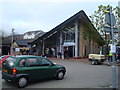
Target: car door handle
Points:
(28, 70)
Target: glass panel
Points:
(32, 62)
(22, 63)
(69, 35)
(9, 62)
(45, 62)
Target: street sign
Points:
(108, 29)
(108, 19)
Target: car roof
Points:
(3, 56)
(20, 56)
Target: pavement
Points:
(85, 60)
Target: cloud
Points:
(43, 15)
(58, 1)
(25, 26)
(20, 23)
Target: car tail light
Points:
(14, 71)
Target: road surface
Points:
(78, 75)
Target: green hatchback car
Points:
(22, 69)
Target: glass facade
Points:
(68, 35)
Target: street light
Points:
(12, 40)
(111, 21)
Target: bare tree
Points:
(3, 34)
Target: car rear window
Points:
(9, 62)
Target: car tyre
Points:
(22, 82)
(93, 62)
(60, 75)
(7, 81)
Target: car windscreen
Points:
(9, 62)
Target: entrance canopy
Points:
(69, 44)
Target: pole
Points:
(76, 39)
(12, 40)
(113, 55)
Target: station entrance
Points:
(70, 51)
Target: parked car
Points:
(22, 69)
(96, 59)
(2, 58)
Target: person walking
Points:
(66, 53)
(110, 56)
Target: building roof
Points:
(16, 36)
(36, 32)
(23, 43)
(78, 16)
(39, 34)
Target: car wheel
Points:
(22, 82)
(60, 75)
(7, 81)
(93, 62)
(100, 63)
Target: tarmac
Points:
(85, 60)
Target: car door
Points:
(30, 67)
(47, 69)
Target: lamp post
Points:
(114, 51)
(111, 21)
(12, 40)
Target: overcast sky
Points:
(29, 15)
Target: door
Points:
(70, 49)
(47, 69)
(29, 66)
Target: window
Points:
(22, 63)
(32, 62)
(45, 62)
(9, 62)
(2, 57)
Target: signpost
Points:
(108, 30)
(110, 20)
(12, 41)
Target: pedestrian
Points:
(21, 51)
(27, 51)
(50, 52)
(66, 53)
(46, 52)
(34, 51)
(118, 54)
(110, 56)
(59, 54)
